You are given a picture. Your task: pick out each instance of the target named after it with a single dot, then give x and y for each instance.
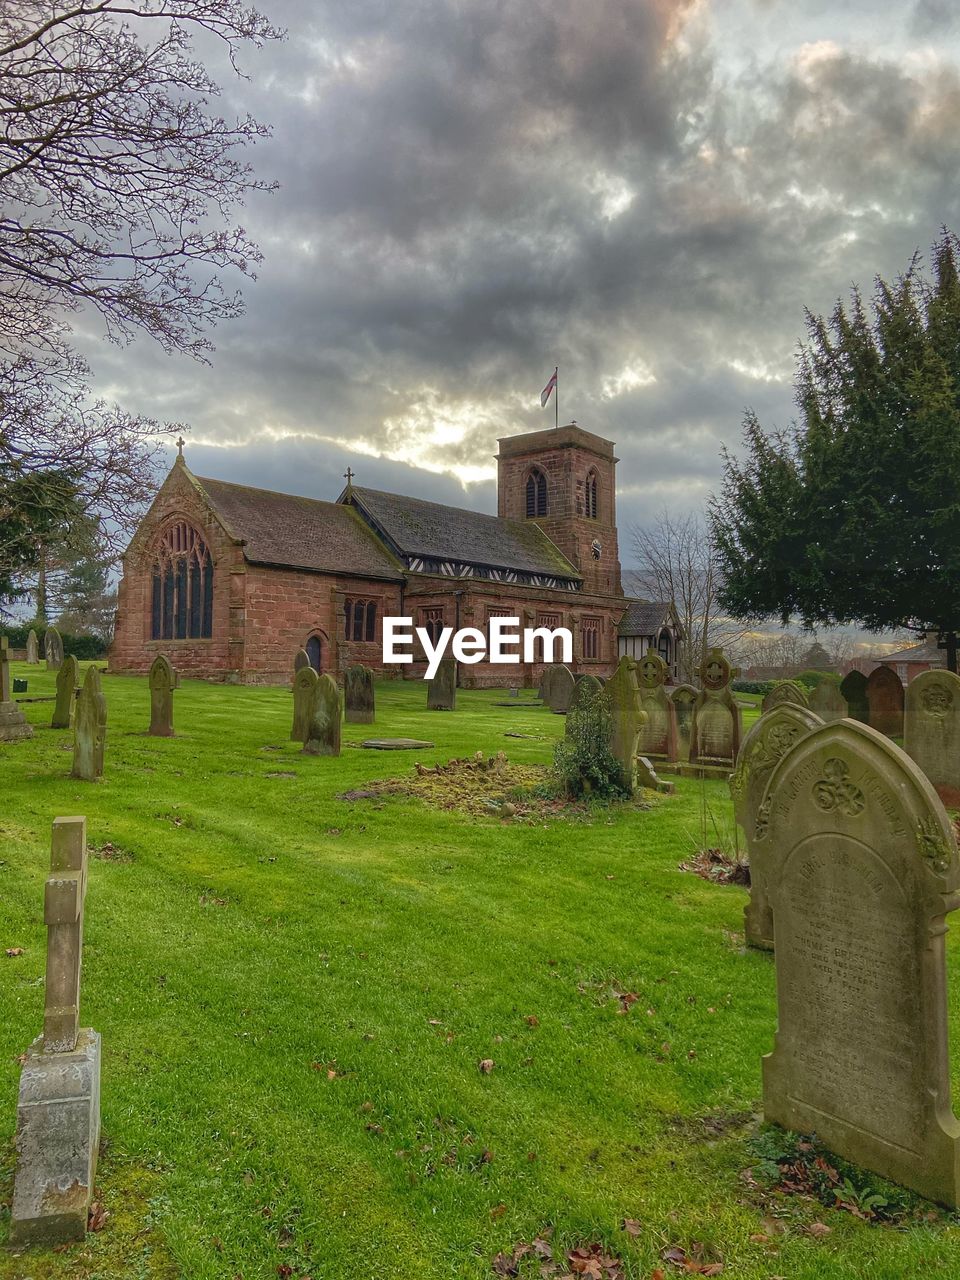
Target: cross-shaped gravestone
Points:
(63, 913)
(715, 672)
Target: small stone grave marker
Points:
(90, 729)
(163, 681)
(442, 689)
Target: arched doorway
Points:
(315, 653)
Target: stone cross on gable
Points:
(4, 669)
(63, 913)
(348, 476)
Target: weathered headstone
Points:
(785, 691)
(68, 678)
(304, 692)
(587, 688)
(90, 729)
(853, 688)
(13, 723)
(885, 701)
(301, 659)
(358, 695)
(658, 733)
(827, 701)
(863, 872)
(558, 686)
(33, 647)
(715, 732)
(931, 730)
(626, 719)
(163, 681)
(442, 689)
(58, 1112)
(764, 746)
(52, 648)
(683, 697)
(326, 712)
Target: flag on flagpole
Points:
(550, 387)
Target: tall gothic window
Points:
(590, 630)
(361, 619)
(182, 586)
(432, 622)
(536, 494)
(591, 496)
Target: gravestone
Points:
(326, 712)
(558, 686)
(683, 698)
(90, 729)
(358, 695)
(442, 689)
(827, 701)
(931, 730)
(622, 693)
(13, 723)
(301, 659)
(585, 690)
(68, 678)
(716, 729)
(52, 648)
(33, 647)
(658, 733)
(58, 1110)
(304, 691)
(863, 871)
(163, 681)
(885, 701)
(785, 691)
(764, 746)
(853, 688)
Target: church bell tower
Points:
(565, 480)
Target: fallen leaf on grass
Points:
(14, 951)
(631, 1226)
(498, 1211)
(532, 1020)
(486, 1065)
(97, 1217)
(818, 1230)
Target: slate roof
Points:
(926, 651)
(644, 617)
(430, 530)
(299, 533)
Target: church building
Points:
(230, 581)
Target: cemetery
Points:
(351, 1012)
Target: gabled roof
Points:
(299, 533)
(431, 531)
(645, 617)
(926, 651)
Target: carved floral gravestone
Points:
(622, 693)
(558, 686)
(90, 729)
(326, 712)
(442, 689)
(163, 681)
(683, 697)
(715, 731)
(931, 731)
(358, 695)
(13, 723)
(58, 1111)
(853, 689)
(885, 701)
(764, 746)
(863, 869)
(785, 691)
(658, 733)
(52, 648)
(304, 692)
(33, 647)
(68, 678)
(827, 701)
(586, 689)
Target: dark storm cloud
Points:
(473, 192)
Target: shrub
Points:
(753, 686)
(83, 648)
(583, 761)
(810, 679)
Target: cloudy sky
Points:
(645, 192)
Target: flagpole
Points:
(556, 399)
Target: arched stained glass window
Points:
(182, 607)
(536, 494)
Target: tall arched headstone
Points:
(863, 870)
(33, 647)
(52, 648)
(716, 729)
(931, 731)
(442, 689)
(304, 690)
(658, 733)
(622, 694)
(358, 695)
(323, 733)
(766, 743)
(853, 687)
(90, 729)
(558, 685)
(885, 701)
(68, 678)
(827, 701)
(683, 697)
(163, 680)
(301, 659)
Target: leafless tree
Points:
(118, 187)
(677, 564)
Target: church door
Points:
(313, 653)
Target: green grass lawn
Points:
(295, 992)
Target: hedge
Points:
(83, 648)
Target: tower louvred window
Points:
(591, 503)
(536, 494)
(182, 606)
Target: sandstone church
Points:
(230, 581)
